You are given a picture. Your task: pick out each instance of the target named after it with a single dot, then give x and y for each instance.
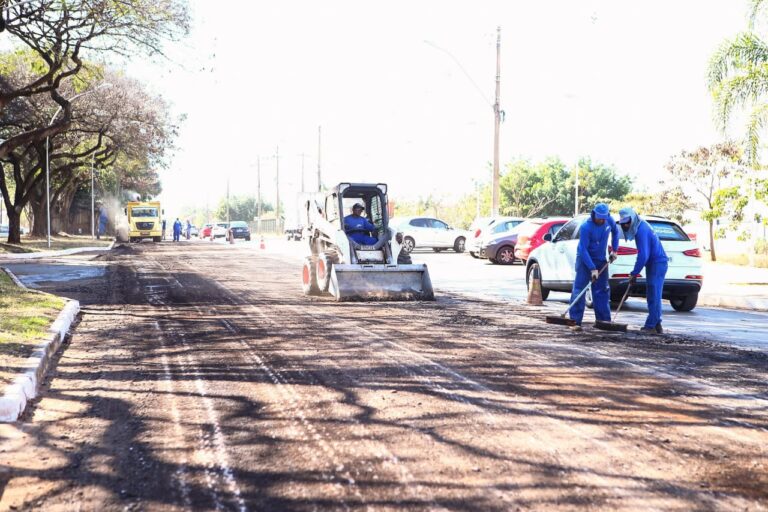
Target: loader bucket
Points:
(381, 282)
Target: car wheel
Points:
(506, 255)
(309, 277)
(684, 303)
(408, 244)
(529, 277)
(247, 239)
(493, 260)
(458, 245)
(473, 254)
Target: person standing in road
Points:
(357, 227)
(590, 258)
(188, 231)
(651, 255)
(177, 230)
(102, 229)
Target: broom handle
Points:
(582, 292)
(624, 298)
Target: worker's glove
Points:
(632, 280)
(612, 257)
(595, 275)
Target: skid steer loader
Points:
(349, 271)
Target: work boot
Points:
(659, 328)
(576, 328)
(648, 330)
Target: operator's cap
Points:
(358, 205)
(602, 211)
(625, 215)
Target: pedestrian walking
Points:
(591, 255)
(652, 257)
(163, 230)
(188, 231)
(177, 230)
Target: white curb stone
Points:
(26, 386)
(54, 254)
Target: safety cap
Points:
(602, 211)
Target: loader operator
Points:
(590, 258)
(358, 227)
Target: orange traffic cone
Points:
(534, 288)
(261, 244)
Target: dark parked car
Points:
(240, 230)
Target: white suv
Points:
(429, 232)
(556, 261)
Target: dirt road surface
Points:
(200, 378)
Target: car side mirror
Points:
(548, 237)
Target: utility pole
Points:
(497, 119)
(319, 176)
(576, 194)
(258, 193)
(277, 187)
(302, 173)
(228, 200)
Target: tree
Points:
(738, 80)
(242, 208)
(709, 172)
(671, 202)
(598, 183)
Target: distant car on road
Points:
(556, 261)
(430, 233)
(193, 231)
(485, 228)
(240, 229)
(530, 234)
(220, 229)
(205, 231)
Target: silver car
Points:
(431, 233)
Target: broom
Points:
(560, 319)
(612, 325)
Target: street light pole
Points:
(93, 200)
(319, 177)
(497, 122)
(277, 188)
(258, 193)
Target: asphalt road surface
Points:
(200, 378)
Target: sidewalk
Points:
(734, 286)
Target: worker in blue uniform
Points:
(590, 258)
(176, 230)
(357, 227)
(651, 255)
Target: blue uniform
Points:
(176, 230)
(102, 223)
(591, 255)
(357, 228)
(651, 255)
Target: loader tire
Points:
(309, 277)
(404, 258)
(323, 272)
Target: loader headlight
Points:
(399, 238)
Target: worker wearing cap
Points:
(590, 258)
(651, 255)
(357, 227)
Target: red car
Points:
(205, 231)
(530, 234)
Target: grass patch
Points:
(760, 260)
(24, 316)
(58, 243)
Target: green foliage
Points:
(241, 208)
(670, 202)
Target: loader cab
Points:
(374, 197)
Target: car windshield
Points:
(144, 212)
(668, 231)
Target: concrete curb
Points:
(53, 254)
(26, 386)
(731, 302)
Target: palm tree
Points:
(738, 79)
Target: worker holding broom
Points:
(651, 255)
(591, 261)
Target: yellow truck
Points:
(144, 220)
